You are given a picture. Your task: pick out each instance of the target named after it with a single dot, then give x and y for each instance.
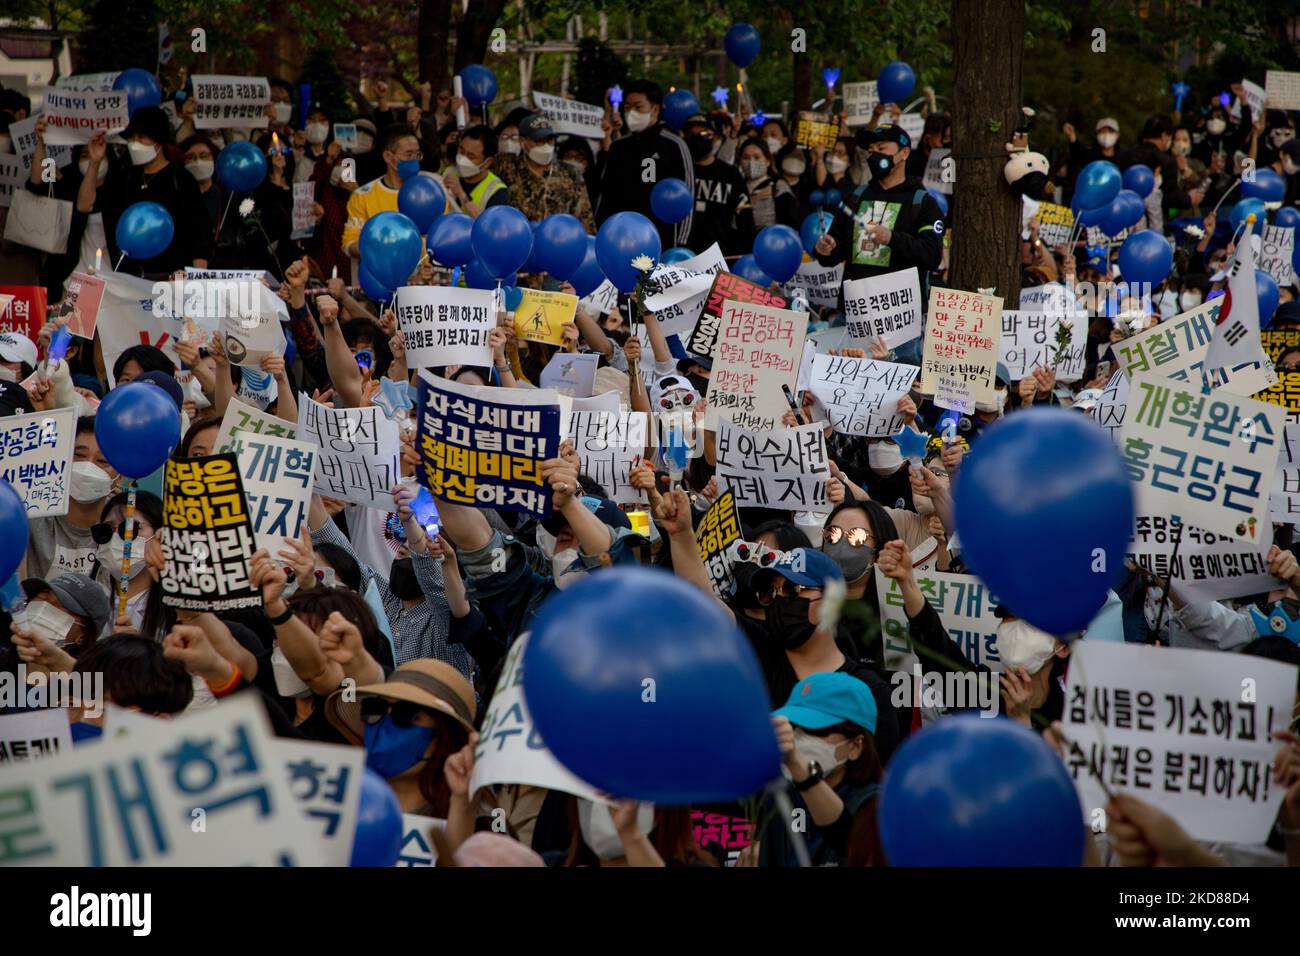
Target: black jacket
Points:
(627, 179)
(908, 211)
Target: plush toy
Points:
(1025, 172)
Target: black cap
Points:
(535, 126)
(1288, 313)
(703, 361)
(885, 133)
(149, 121)
(700, 119)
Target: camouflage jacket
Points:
(560, 189)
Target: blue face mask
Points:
(406, 168)
(392, 750)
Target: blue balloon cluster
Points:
(502, 238)
(560, 245)
(137, 427)
(449, 240)
(588, 277)
(141, 88)
(422, 200)
(241, 167)
(742, 44)
(778, 252)
(622, 238)
(747, 267)
(390, 248)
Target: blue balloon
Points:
(778, 252)
(1266, 292)
(1140, 179)
(1026, 483)
(563, 242)
(1287, 216)
(478, 84)
(390, 248)
(502, 238)
(939, 198)
(137, 427)
(422, 200)
(676, 254)
(970, 791)
(141, 88)
(449, 240)
(832, 199)
(479, 276)
(895, 82)
(375, 290)
(671, 201)
(588, 277)
(1097, 184)
(13, 528)
(1146, 257)
(623, 237)
(742, 44)
(379, 831)
(1125, 210)
(817, 197)
(1088, 217)
(678, 106)
(814, 226)
(1245, 208)
(1267, 187)
(144, 230)
(533, 266)
(1136, 208)
(241, 167)
(747, 268)
(584, 670)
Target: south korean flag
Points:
(1236, 329)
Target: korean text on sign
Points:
(359, 450)
(1208, 566)
(786, 468)
(757, 352)
(442, 325)
(231, 101)
(860, 396)
(964, 604)
(716, 532)
(961, 348)
(886, 306)
(727, 287)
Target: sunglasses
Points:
(856, 537)
(375, 709)
(102, 532)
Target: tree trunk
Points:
(474, 31)
(432, 32)
(988, 63)
(803, 83)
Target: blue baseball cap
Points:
(824, 700)
(807, 567)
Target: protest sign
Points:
(860, 396)
(785, 468)
(1206, 459)
(250, 326)
(1284, 502)
(570, 116)
(541, 316)
(127, 317)
(36, 458)
(821, 284)
(12, 176)
(445, 325)
(1277, 341)
(964, 604)
(859, 99)
(610, 445)
(88, 81)
(1208, 566)
(359, 448)
(207, 536)
(33, 735)
(1030, 340)
(676, 293)
(1276, 248)
(601, 302)
(345, 134)
(938, 175)
(231, 101)
(1282, 90)
(202, 790)
(304, 211)
(510, 750)
(1285, 392)
(325, 780)
(913, 125)
(1255, 98)
(757, 352)
(73, 117)
(483, 447)
(22, 136)
(885, 306)
(85, 293)
(25, 313)
(277, 475)
(716, 532)
(256, 387)
(417, 845)
(816, 129)
(1174, 728)
(727, 828)
(241, 417)
(571, 373)
(1055, 224)
(961, 348)
(726, 287)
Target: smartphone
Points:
(794, 406)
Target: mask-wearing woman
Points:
(628, 834)
(826, 733)
(771, 198)
(792, 166)
(410, 724)
(833, 169)
(110, 537)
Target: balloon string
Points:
(125, 580)
(225, 212)
(1225, 195)
(119, 262)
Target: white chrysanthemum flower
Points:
(1196, 232)
(246, 207)
(643, 263)
(1272, 206)
(1028, 111)
(1067, 325)
(988, 291)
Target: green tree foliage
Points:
(119, 34)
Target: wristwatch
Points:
(814, 777)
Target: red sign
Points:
(727, 285)
(26, 313)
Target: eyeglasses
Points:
(787, 588)
(102, 532)
(403, 712)
(856, 537)
(409, 156)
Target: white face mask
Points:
(598, 830)
(287, 681)
(1107, 140)
(773, 144)
(638, 121)
(201, 169)
(560, 563)
(89, 482)
(1189, 300)
(817, 749)
(755, 169)
(542, 155)
(999, 402)
(317, 133)
(835, 165)
(50, 622)
(110, 556)
(282, 112)
(365, 143)
(793, 167)
(884, 457)
(1020, 644)
(84, 165)
(510, 147)
(141, 154)
(467, 169)
(1215, 127)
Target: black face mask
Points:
(787, 622)
(744, 594)
(700, 382)
(880, 166)
(402, 581)
(701, 146)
